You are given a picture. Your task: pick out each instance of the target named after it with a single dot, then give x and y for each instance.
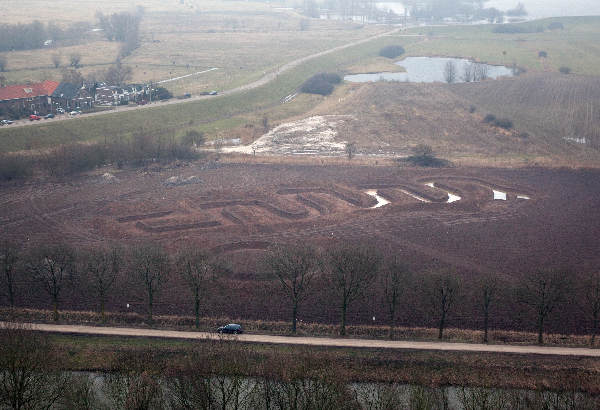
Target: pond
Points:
(433, 69)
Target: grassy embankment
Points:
(351, 365)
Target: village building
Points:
(17, 101)
(21, 100)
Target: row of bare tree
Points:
(346, 273)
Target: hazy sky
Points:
(550, 8)
(536, 8)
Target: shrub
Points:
(489, 118)
(557, 25)
(423, 156)
(565, 70)
(542, 54)
(391, 51)
(503, 123)
(472, 109)
(14, 167)
(332, 78)
(161, 93)
(193, 137)
(321, 83)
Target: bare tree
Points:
(29, 378)
(56, 60)
(196, 267)
(352, 269)
(394, 278)
(218, 146)
(72, 76)
(591, 301)
(52, 266)
(103, 267)
(350, 149)
(9, 257)
(450, 72)
(442, 289)
(544, 291)
(3, 63)
(480, 72)
(149, 264)
(118, 74)
(468, 73)
(488, 287)
(75, 60)
(294, 267)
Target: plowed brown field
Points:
(239, 210)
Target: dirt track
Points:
(318, 341)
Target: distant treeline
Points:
(14, 37)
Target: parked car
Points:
(7, 122)
(34, 117)
(213, 93)
(48, 116)
(142, 102)
(231, 328)
(60, 110)
(75, 112)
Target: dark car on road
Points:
(231, 328)
(48, 116)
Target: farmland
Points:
(238, 210)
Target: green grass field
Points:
(577, 46)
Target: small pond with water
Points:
(430, 70)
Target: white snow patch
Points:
(499, 195)
(108, 178)
(414, 196)
(577, 140)
(451, 197)
(381, 201)
(310, 136)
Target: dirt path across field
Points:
(318, 341)
(267, 78)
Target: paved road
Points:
(258, 83)
(320, 341)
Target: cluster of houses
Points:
(47, 97)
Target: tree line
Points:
(347, 273)
(15, 37)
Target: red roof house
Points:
(21, 100)
(17, 92)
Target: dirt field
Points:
(238, 210)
